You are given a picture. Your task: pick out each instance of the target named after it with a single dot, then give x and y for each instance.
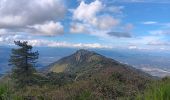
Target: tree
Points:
(23, 62)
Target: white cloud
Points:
(106, 22)
(9, 40)
(65, 44)
(149, 23)
(78, 28)
(19, 14)
(91, 19)
(87, 12)
(48, 28)
(11, 21)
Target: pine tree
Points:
(23, 62)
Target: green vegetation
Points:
(23, 62)
(3, 91)
(100, 87)
(158, 90)
(61, 86)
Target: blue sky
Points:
(127, 24)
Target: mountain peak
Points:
(83, 52)
(86, 62)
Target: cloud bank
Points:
(19, 15)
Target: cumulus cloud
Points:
(48, 28)
(90, 14)
(9, 39)
(18, 14)
(92, 20)
(87, 12)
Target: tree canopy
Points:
(23, 62)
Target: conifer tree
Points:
(23, 62)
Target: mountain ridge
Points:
(90, 63)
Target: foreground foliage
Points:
(159, 90)
(62, 86)
(100, 87)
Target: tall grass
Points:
(3, 92)
(159, 90)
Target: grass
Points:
(4, 92)
(159, 90)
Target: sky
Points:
(108, 24)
